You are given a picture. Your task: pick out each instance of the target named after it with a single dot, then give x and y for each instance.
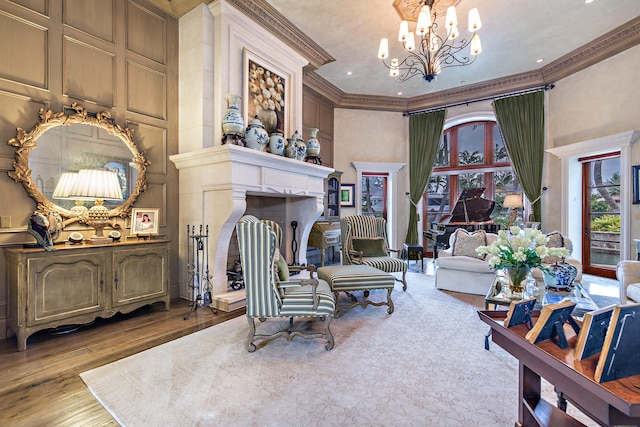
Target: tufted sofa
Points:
(460, 269)
(628, 273)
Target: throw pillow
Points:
(282, 267)
(369, 247)
(555, 241)
(465, 243)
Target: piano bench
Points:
(413, 251)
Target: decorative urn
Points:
(256, 135)
(232, 122)
(559, 276)
(301, 147)
(276, 143)
(290, 150)
(313, 146)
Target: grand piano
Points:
(471, 212)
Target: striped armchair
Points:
(364, 241)
(267, 297)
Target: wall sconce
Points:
(97, 185)
(513, 201)
(64, 187)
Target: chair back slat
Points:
(257, 243)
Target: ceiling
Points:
(515, 34)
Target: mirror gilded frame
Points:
(27, 141)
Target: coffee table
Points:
(498, 296)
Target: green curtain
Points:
(521, 119)
(424, 138)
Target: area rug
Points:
(423, 365)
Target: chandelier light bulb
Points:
(424, 21)
(404, 31)
(476, 46)
(474, 20)
(452, 19)
(410, 43)
(383, 50)
(394, 70)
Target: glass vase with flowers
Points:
(517, 251)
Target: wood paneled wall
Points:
(119, 56)
(317, 112)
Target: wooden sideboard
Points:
(77, 284)
(608, 403)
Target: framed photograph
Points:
(346, 195)
(636, 184)
(144, 221)
(265, 92)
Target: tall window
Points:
(374, 195)
(471, 155)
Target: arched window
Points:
(471, 155)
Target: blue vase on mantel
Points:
(559, 276)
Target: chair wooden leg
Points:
(404, 281)
(327, 332)
(389, 302)
(251, 347)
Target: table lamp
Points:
(513, 202)
(63, 189)
(97, 185)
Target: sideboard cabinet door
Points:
(140, 274)
(63, 287)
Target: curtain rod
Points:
(491, 98)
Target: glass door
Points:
(601, 214)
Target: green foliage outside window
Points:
(609, 223)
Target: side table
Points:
(414, 249)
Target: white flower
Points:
(515, 230)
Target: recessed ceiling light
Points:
(540, 60)
(399, 93)
(349, 73)
(588, 1)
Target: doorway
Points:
(601, 214)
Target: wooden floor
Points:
(41, 386)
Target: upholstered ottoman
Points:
(353, 278)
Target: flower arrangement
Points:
(519, 248)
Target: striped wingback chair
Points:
(364, 241)
(269, 298)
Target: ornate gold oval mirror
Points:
(72, 140)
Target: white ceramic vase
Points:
(276, 143)
(313, 145)
(232, 122)
(256, 137)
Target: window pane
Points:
(437, 197)
(373, 197)
(471, 144)
(604, 214)
(442, 158)
(470, 180)
(499, 150)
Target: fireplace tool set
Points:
(198, 269)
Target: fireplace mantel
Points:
(214, 183)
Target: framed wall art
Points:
(635, 172)
(347, 195)
(265, 92)
(144, 221)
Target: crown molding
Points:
(266, 15)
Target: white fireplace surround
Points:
(214, 183)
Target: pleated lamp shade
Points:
(94, 184)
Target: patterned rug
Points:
(423, 365)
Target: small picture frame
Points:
(144, 221)
(636, 184)
(346, 195)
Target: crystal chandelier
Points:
(433, 52)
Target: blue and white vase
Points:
(290, 150)
(313, 145)
(276, 143)
(256, 135)
(559, 276)
(301, 146)
(232, 122)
